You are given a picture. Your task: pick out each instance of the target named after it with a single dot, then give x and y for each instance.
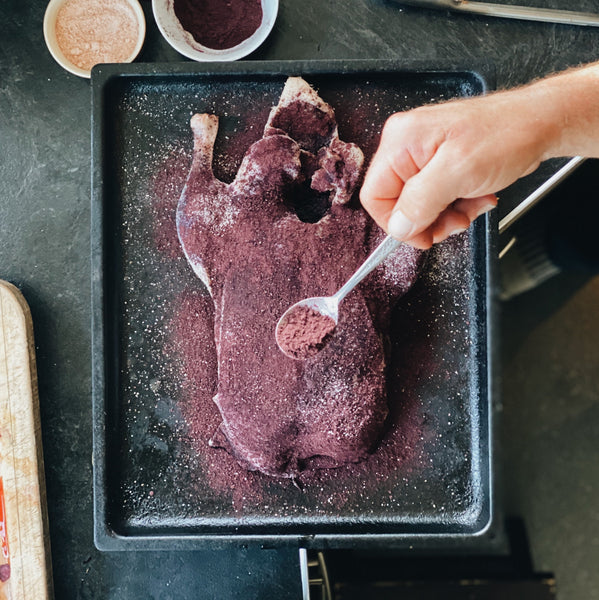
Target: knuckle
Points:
(365, 197)
(462, 153)
(394, 121)
(401, 122)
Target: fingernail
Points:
(457, 231)
(399, 225)
(485, 209)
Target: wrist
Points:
(543, 105)
(569, 108)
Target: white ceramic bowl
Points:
(184, 43)
(58, 55)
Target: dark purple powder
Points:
(219, 24)
(305, 123)
(279, 416)
(304, 332)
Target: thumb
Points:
(423, 198)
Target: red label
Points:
(3, 534)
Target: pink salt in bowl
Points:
(185, 42)
(82, 33)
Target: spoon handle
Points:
(383, 250)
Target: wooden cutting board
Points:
(25, 572)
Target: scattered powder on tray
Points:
(218, 474)
(219, 24)
(304, 332)
(89, 33)
(413, 444)
(290, 418)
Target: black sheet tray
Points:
(157, 484)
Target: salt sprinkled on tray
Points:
(423, 460)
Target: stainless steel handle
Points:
(527, 13)
(383, 250)
(531, 200)
(439, 4)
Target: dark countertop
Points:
(44, 219)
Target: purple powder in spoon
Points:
(304, 332)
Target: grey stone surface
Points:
(550, 359)
(551, 427)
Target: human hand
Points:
(438, 167)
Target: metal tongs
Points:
(527, 13)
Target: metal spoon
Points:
(328, 306)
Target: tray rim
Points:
(487, 527)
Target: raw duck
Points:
(285, 229)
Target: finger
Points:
(458, 217)
(424, 197)
(379, 210)
(450, 222)
(381, 188)
(475, 207)
(384, 182)
(423, 240)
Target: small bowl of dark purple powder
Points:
(215, 30)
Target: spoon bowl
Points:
(328, 306)
(307, 326)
